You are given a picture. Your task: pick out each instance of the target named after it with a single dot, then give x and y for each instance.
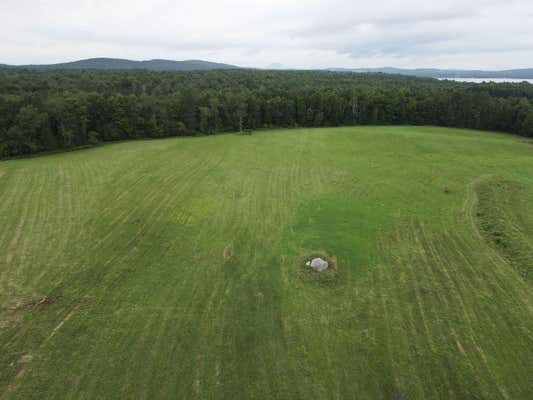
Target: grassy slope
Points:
(174, 268)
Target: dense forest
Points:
(43, 111)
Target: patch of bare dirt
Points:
(228, 252)
(35, 303)
(25, 359)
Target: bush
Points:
(93, 138)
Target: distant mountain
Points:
(121, 64)
(446, 73)
(197, 65)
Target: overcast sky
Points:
(485, 34)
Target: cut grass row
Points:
(131, 242)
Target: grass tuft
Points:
(329, 277)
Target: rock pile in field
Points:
(318, 264)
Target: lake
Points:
(496, 80)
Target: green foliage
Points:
(26, 134)
(142, 104)
(527, 125)
(93, 138)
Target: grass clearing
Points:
(174, 267)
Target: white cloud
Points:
(488, 34)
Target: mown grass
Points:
(502, 217)
(175, 267)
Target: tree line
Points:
(43, 111)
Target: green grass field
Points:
(173, 268)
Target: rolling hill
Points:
(198, 65)
(122, 64)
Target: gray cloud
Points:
(488, 34)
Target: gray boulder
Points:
(318, 264)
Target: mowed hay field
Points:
(174, 268)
